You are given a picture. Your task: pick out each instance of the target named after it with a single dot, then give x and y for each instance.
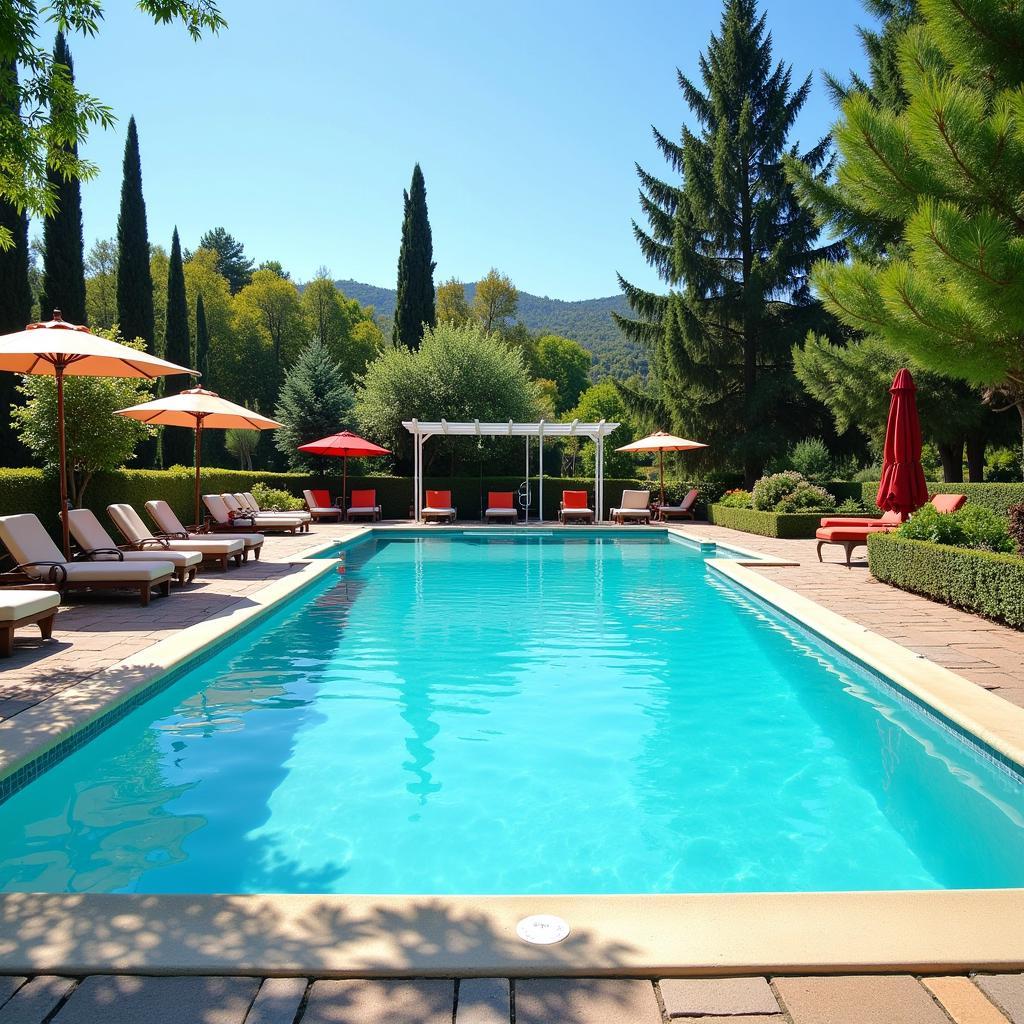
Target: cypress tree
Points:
(202, 359)
(64, 247)
(735, 247)
(134, 281)
(15, 300)
(414, 304)
(178, 447)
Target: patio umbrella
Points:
(903, 488)
(57, 349)
(343, 445)
(661, 442)
(199, 409)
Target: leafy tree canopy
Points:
(495, 300)
(566, 363)
(231, 259)
(452, 306)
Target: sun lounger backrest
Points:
(217, 508)
(362, 499)
(23, 535)
(250, 500)
(87, 530)
(948, 502)
(244, 502)
(323, 498)
(500, 499)
(129, 522)
(439, 499)
(635, 499)
(163, 515)
(232, 503)
(690, 499)
(891, 518)
(574, 499)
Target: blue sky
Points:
(297, 128)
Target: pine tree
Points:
(231, 258)
(134, 279)
(63, 244)
(736, 248)
(948, 167)
(414, 303)
(15, 308)
(314, 401)
(177, 444)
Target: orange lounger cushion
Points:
(363, 499)
(322, 498)
(439, 499)
(574, 499)
(841, 534)
(948, 502)
(887, 519)
(500, 499)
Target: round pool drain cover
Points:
(542, 929)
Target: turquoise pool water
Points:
(527, 716)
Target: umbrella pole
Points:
(59, 374)
(199, 443)
(344, 485)
(661, 472)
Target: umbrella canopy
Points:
(343, 445)
(198, 408)
(903, 488)
(661, 442)
(57, 348)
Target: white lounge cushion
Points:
(259, 518)
(248, 504)
(510, 512)
(427, 510)
(200, 546)
(17, 604)
(577, 511)
(90, 536)
(129, 522)
(223, 543)
(364, 509)
(634, 513)
(327, 510)
(130, 572)
(23, 535)
(634, 500)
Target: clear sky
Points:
(298, 126)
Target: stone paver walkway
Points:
(863, 999)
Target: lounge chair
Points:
(684, 510)
(319, 505)
(96, 545)
(634, 507)
(226, 516)
(574, 508)
(848, 537)
(22, 607)
(287, 522)
(249, 504)
(948, 502)
(501, 507)
(886, 519)
(363, 504)
(214, 547)
(139, 537)
(39, 560)
(439, 507)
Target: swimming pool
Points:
(462, 714)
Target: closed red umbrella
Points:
(342, 446)
(903, 488)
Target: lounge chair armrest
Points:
(175, 535)
(57, 575)
(152, 542)
(86, 555)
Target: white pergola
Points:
(595, 432)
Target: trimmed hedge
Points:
(786, 525)
(997, 497)
(984, 582)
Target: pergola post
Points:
(540, 473)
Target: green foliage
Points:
(852, 507)
(978, 581)
(269, 305)
(241, 444)
(458, 373)
(770, 490)
(271, 499)
(178, 444)
(202, 357)
(566, 363)
(1016, 527)
(341, 323)
(1002, 465)
(63, 246)
(972, 526)
(451, 304)
(785, 525)
(95, 438)
(495, 301)
(414, 301)
(731, 241)
(232, 262)
(808, 499)
(101, 284)
(314, 402)
(737, 498)
(599, 402)
(997, 497)
(134, 276)
(812, 459)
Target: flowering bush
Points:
(808, 498)
(737, 498)
(770, 490)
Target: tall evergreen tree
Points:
(202, 358)
(177, 444)
(134, 279)
(414, 304)
(231, 258)
(63, 244)
(736, 248)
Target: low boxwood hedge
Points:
(978, 581)
(786, 525)
(998, 497)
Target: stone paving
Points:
(857, 999)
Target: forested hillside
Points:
(588, 321)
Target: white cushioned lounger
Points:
(635, 505)
(248, 503)
(210, 544)
(222, 507)
(23, 607)
(136, 533)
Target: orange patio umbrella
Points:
(199, 409)
(343, 445)
(57, 349)
(661, 442)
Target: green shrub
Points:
(984, 582)
(1017, 526)
(997, 497)
(972, 526)
(852, 507)
(786, 525)
(1003, 465)
(811, 459)
(770, 490)
(809, 498)
(272, 499)
(737, 498)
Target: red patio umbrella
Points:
(342, 446)
(903, 488)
